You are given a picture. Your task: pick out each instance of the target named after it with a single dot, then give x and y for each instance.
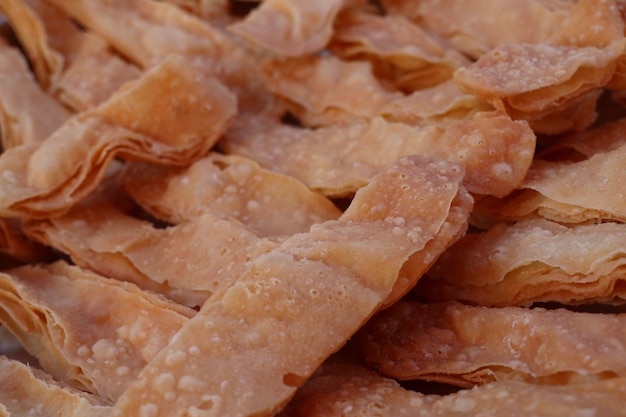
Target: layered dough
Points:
(349, 389)
(467, 345)
(298, 292)
(75, 323)
(532, 261)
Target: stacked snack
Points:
(208, 207)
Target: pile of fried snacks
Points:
(304, 208)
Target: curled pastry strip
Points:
(187, 262)
(325, 90)
(476, 28)
(298, 292)
(434, 104)
(336, 160)
(534, 81)
(532, 261)
(269, 203)
(466, 345)
(548, 190)
(340, 389)
(400, 51)
(171, 115)
(154, 30)
(27, 114)
(76, 324)
(292, 28)
(22, 387)
(73, 65)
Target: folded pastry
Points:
(433, 104)
(27, 114)
(171, 115)
(86, 330)
(578, 146)
(216, 12)
(479, 26)
(25, 391)
(75, 66)
(326, 90)
(251, 345)
(292, 28)
(532, 80)
(552, 190)
(340, 390)
(336, 160)
(187, 262)
(532, 261)
(400, 51)
(466, 345)
(269, 203)
(155, 30)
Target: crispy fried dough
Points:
(479, 26)
(495, 150)
(289, 27)
(325, 90)
(75, 66)
(433, 104)
(154, 30)
(187, 263)
(170, 115)
(552, 190)
(400, 51)
(228, 186)
(27, 114)
(349, 390)
(464, 345)
(288, 307)
(534, 81)
(25, 390)
(532, 261)
(76, 324)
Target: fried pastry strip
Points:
(578, 146)
(325, 90)
(294, 306)
(289, 27)
(30, 391)
(477, 27)
(336, 160)
(350, 390)
(400, 51)
(171, 115)
(551, 190)
(528, 79)
(76, 323)
(154, 30)
(75, 66)
(187, 262)
(27, 114)
(532, 261)
(466, 345)
(433, 104)
(228, 186)
(532, 81)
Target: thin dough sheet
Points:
(286, 313)
(269, 203)
(467, 345)
(532, 261)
